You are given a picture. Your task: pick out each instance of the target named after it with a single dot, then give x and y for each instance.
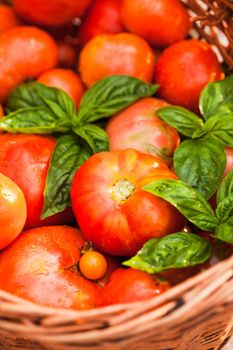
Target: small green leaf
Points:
(34, 94)
(225, 208)
(110, 95)
(187, 200)
(67, 157)
(95, 136)
(34, 120)
(226, 187)
(200, 163)
(177, 250)
(217, 97)
(180, 118)
(219, 128)
(224, 232)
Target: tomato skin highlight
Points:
(25, 52)
(129, 285)
(13, 211)
(37, 267)
(184, 69)
(115, 225)
(25, 160)
(160, 22)
(138, 127)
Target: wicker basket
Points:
(195, 315)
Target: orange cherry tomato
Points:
(8, 18)
(25, 52)
(93, 265)
(108, 54)
(64, 79)
(160, 22)
(13, 211)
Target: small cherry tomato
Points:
(93, 265)
(13, 211)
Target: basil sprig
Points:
(38, 109)
(194, 159)
(177, 250)
(195, 207)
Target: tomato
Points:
(25, 160)
(112, 265)
(67, 56)
(13, 211)
(138, 127)
(229, 164)
(64, 79)
(25, 52)
(8, 18)
(112, 209)
(108, 54)
(103, 16)
(184, 69)
(176, 276)
(1, 111)
(93, 265)
(160, 22)
(50, 12)
(129, 285)
(41, 266)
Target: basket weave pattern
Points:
(195, 315)
(198, 314)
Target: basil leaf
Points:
(218, 128)
(225, 208)
(34, 94)
(216, 95)
(95, 136)
(177, 250)
(67, 157)
(224, 232)
(34, 120)
(200, 163)
(110, 95)
(180, 118)
(187, 200)
(226, 187)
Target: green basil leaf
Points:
(34, 94)
(200, 163)
(226, 187)
(68, 155)
(177, 250)
(224, 232)
(34, 120)
(95, 136)
(218, 128)
(180, 118)
(224, 209)
(216, 95)
(187, 200)
(110, 95)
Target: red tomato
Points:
(112, 209)
(109, 54)
(229, 155)
(50, 12)
(103, 16)
(160, 22)
(25, 52)
(129, 285)
(13, 211)
(8, 18)
(183, 70)
(67, 56)
(66, 80)
(140, 128)
(41, 266)
(1, 111)
(176, 276)
(25, 160)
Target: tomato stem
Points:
(122, 190)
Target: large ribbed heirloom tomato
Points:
(113, 210)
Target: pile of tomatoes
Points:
(72, 215)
